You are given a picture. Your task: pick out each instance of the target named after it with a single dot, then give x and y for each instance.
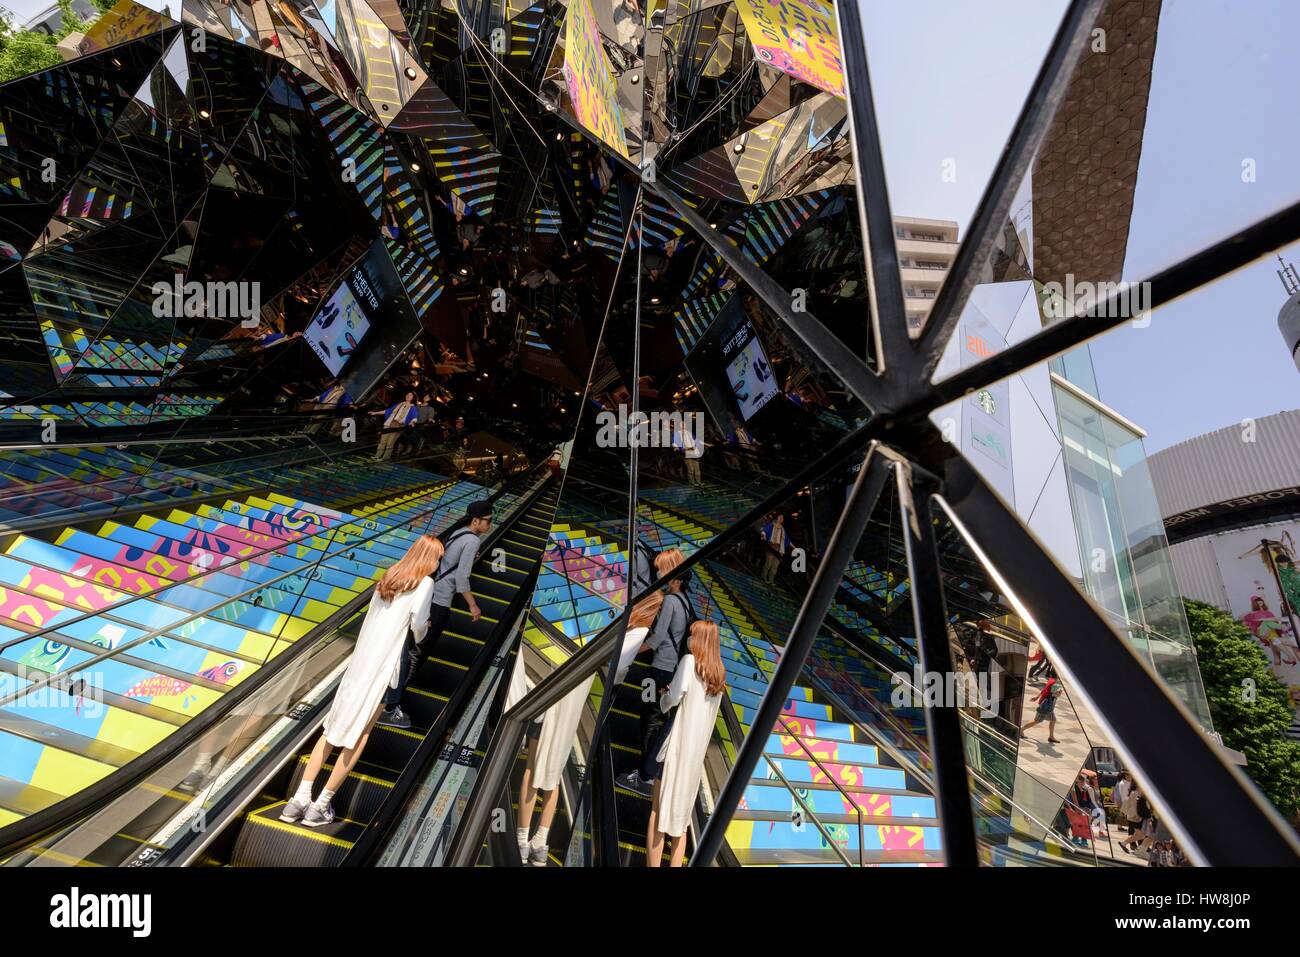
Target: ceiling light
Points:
(654, 300)
(464, 271)
(713, 225)
(410, 73)
(559, 136)
(415, 167)
(204, 114)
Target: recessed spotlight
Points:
(738, 148)
(514, 405)
(410, 73)
(464, 271)
(559, 136)
(204, 114)
(635, 79)
(654, 300)
(415, 167)
(713, 225)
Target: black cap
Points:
(480, 509)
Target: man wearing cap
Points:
(450, 578)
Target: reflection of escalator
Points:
(259, 838)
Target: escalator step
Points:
(266, 841)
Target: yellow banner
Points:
(798, 37)
(590, 81)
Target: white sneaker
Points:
(293, 811)
(318, 815)
(524, 850)
(537, 855)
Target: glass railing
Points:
(42, 486)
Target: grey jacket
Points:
(668, 631)
(460, 556)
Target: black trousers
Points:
(414, 654)
(654, 726)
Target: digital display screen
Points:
(748, 370)
(343, 321)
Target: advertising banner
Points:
(1258, 570)
(590, 81)
(798, 37)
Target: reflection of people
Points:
(696, 693)
(396, 418)
(453, 579)
(400, 604)
(773, 535)
(549, 751)
(665, 640)
(328, 401)
(1046, 710)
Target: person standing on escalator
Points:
(696, 693)
(399, 606)
(549, 748)
(666, 640)
(452, 579)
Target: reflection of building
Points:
(1288, 320)
(50, 19)
(1074, 469)
(1230, 501)
(925, 251)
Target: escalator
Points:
(502, 581)
(125, 631)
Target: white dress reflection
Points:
(696, 693)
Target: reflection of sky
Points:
(949, 80)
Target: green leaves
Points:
(1249, 704)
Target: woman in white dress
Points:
(696, 692)
(400, 603)
(549, 751)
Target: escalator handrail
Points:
(376, 834)
(196, 476)
(313, 451)
(22, 833)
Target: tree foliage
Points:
(24, 51)
(1249, 705)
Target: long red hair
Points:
(707, 649)
(644, 611)
(419, 562)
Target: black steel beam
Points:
(884, 280)
(943, 724)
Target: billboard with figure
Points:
(1258, 570)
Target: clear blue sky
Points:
(949, 80)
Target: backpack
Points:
(684, 647)
(644, 573)
(444, 572)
